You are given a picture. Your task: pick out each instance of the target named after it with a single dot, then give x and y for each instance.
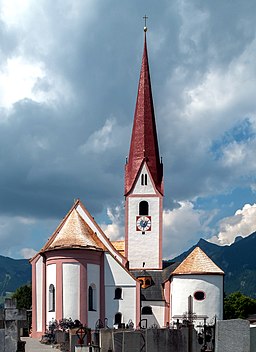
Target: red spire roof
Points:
(144, 145)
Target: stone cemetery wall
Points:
(252, 338)
(232, 335)
(147, 340)
(2, 337)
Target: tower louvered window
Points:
(143, 208)
(144, 179)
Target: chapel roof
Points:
(144, 144)
(197, 262)
(73, 232)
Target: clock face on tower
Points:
(143, 223)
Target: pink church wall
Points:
(167, 311)
(34, 312)
(59, 257)
(161, 233)
(138, 313)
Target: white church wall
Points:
(93, 278)
(50, 279)
(140, 188)
(140, 245)
(158, 310)
(117, 277)
(39, 294)
(183, 286)
(71, 290)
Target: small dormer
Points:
(145, 281)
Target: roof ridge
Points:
(72, 232)
(197, 262)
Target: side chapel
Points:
(81, 274)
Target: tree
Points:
(237, 305)
(23, 296)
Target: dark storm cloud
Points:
(41, 160)
(43, 168)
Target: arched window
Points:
(118, 318)
(146, 310)
(118, 293)
(51, 298)
(92, 298)
(143, 208)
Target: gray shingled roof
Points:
(154, 292)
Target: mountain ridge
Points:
(236, 260)
(13, 274)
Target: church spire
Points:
(144, 144)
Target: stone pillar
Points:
(13, 319)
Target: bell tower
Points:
(144, 181)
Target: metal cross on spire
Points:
(145, 18)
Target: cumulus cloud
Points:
(115, 229)
(101, 140)
(205, 96)
(220, 89)
(21, 79)
(183, 227)
(239, 156)
(27, 253)
(17, 81)
(192, 31)
(242, 223)
(15, 231)
(12, 12)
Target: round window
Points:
(199, 295)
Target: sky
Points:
(69, 72)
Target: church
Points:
(81, 274)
